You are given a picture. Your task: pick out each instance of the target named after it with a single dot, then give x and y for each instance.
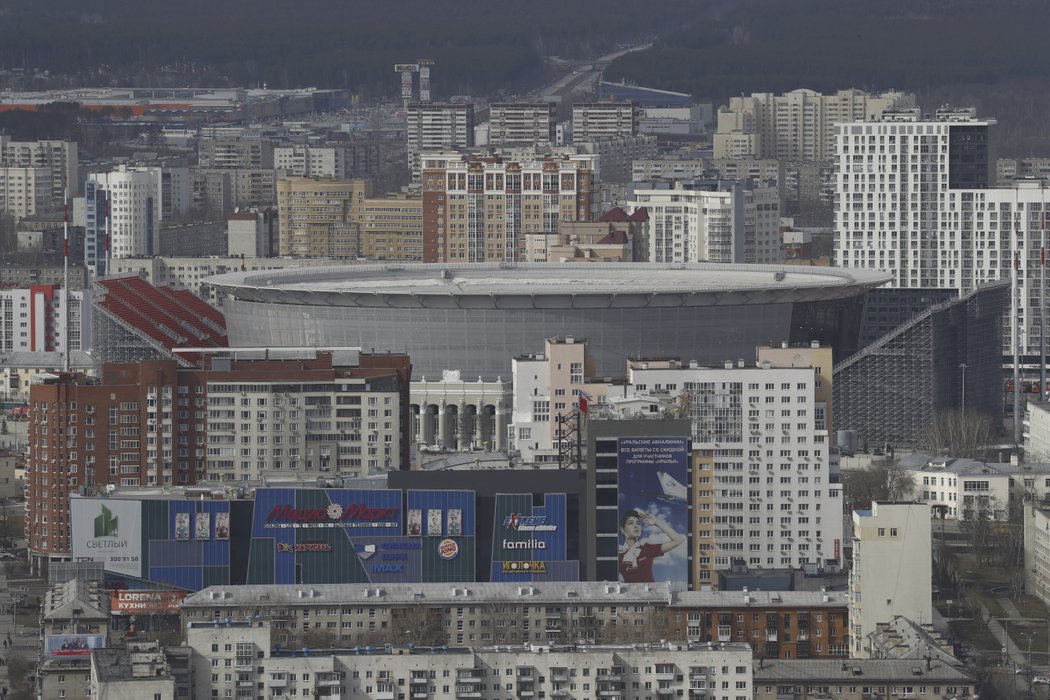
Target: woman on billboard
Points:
(636, 557)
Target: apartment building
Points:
(59, 158)
(891, 569)
(711, 221)
(434, 127)
(156, 423)
(391, 227)
(914, 199)
(343, 414)
(140, 669)
(522, 124)
(122, 216)
(775, 501)
(384, 673)
(1009, 169)
(1037, 550)
(592, 121)
(35, 319)
(317, 216)
(25, 191)
(310, 161)
(235, 153)
(547, 389)
(479, 209)
(215, 192)
(776, 624)
(798, 125)
(252, 234)
(862, 679)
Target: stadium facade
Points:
(477, 317)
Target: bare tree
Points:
(418, 625)
(879, 483)
(960, 433)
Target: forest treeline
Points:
(480, 46)
(827, 45)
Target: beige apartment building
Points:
(480, 209)
(317, 216)
(798, 125)
(391, 228)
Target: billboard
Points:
(65, 645)
(361, 536)
(108, 530)
(653, 509)
(123, 602)
(530, 540)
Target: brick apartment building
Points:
(151, 423)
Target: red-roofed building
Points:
(133, 320)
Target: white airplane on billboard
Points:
(673, 491)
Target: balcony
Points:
(771, 635)
(386, 694)
(245, 684)
(277, 681)
(560, 675)
(421, 679)
(467, 691)
(607, 677)
(666, 691)
(419, 694)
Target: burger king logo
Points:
(448, 549)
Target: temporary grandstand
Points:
(947, 357)
(133, 320)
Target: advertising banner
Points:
(203, 529)
(653, 509)
(146, 602)
(109, 531)
(62, 645)
(530, 541)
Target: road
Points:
(581, 76)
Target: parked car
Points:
(1041, 680)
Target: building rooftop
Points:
(76, 598)
(762, 599)
(454, 594)
(138, 661)
(963, 466)
(858, 671)
(548, 285)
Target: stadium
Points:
(477, 317)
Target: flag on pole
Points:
(584, 397)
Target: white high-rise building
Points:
(731, 222)
(775, 503)
(913, 198)
(130, 199)
(891, 572)
(437, 127)
(34, 320)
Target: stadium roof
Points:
(553, 285)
